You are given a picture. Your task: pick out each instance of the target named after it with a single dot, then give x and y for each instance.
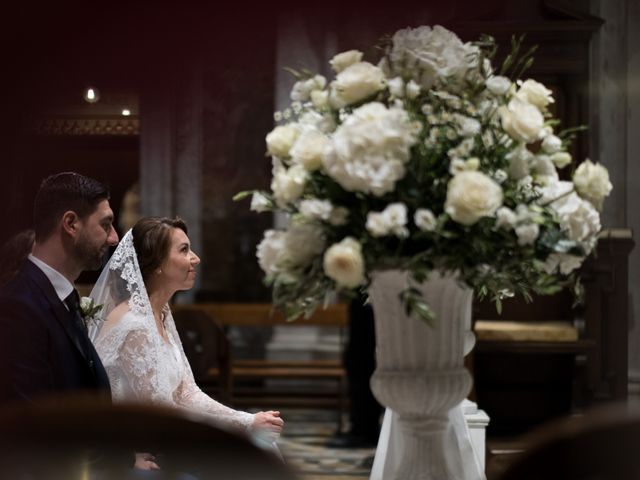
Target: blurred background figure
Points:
(13, 253)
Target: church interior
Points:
(168, 103)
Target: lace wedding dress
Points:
(141, 365)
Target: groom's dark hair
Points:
(60, 193)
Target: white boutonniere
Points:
(89, 310)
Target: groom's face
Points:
(96, 236)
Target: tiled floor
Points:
(303, 446)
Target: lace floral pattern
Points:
(141, 365)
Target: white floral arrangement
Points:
(428, 160)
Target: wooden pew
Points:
(243, 371)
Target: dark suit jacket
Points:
(40, 351)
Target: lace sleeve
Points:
(139, 364)
(189, 396)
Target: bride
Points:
(137, 339)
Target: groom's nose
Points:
(112, 237)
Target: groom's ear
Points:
(70, 222)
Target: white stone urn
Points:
(420, 373)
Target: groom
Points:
(44, 347)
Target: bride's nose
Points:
(195, 259)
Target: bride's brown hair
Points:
(152, 239)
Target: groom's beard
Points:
(90, 256)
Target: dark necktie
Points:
(73, 302)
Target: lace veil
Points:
(120, 281)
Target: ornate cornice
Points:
(89, 126)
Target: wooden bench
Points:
(246, 376)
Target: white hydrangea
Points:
(269, 251)
(432, 55)
(316, 209)
(302, 242)
(368, 152)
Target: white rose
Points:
(357, 82)
(345, 59)
(505, 218)
(551, 144)
(592, 182)
(260, 203)
(368, 152)
(316, 209)
(498, 85)
(472, 195)
(500, 176)
(288, 184)
(269, 251)
(343, 263)
(522, 121)
(535, 93)
(425, 220)
(377, 224)
(561, 159)
(309, 149)
(320, 99)
(281, 139)
(527, 233)
(396, 87)
(577, 217)
(413, 89)
(396, 218)
(86, 303)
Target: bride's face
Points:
(179, 268)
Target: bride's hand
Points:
(268, 421)
(145, 461)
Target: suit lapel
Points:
(61, 313)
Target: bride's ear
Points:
(69, 222)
